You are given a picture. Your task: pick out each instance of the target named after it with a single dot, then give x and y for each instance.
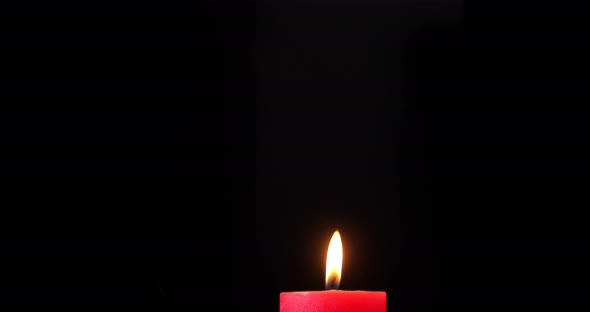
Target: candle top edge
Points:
(331, 290)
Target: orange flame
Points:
(334, 262)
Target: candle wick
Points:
(332, 283)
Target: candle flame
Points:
(334, 262)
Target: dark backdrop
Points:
(199, 156)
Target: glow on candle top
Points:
(334, 262)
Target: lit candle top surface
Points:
(333, 300)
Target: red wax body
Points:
(334, 301)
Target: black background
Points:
(199, 156)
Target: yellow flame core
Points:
(334, 261)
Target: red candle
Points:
(333, 300)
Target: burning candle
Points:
(332, 299)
